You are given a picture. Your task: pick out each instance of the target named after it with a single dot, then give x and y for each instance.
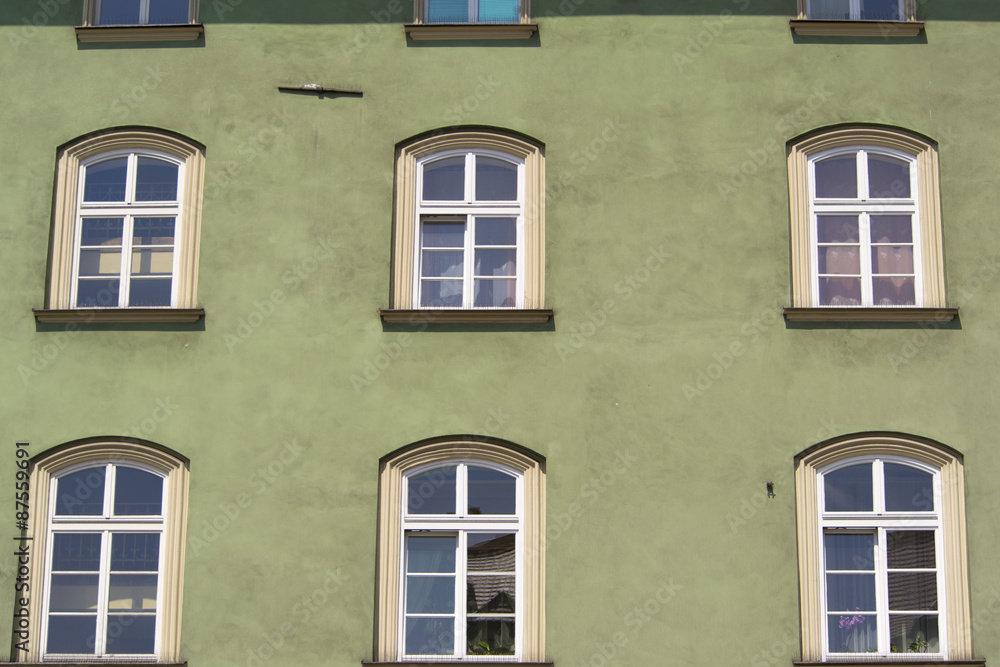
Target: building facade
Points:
(579, 332)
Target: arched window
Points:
(461, 563)
(469, 229)
(109, 519)
(882, 550)
(866, 231)
(126, 228)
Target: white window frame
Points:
(878, 522)
(129, 210)
(469, 209)
(855, 10)
(105, 524)
(864, 208)
(461, 525)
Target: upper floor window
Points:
(472, 11)
(461, 556)
(881, 18)
(141, 12)
(127, 227)
(469, 229)
(882, 550)
(139, 20)
(866, 230)
(110, 518)
(471, 19)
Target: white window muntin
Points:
(106, 524)
(460, 525)
(879, 522)
(470, 209)
(472, 9)
(129, 210)
(864, 208)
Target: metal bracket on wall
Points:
(316, 89)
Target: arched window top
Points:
(853, 136)
(842, 450)
(131, 139)
(89, 452)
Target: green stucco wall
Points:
(661, 258)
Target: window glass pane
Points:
(131, 633)
(496, 262)
(150, 293)
(73, 592)
(490, 637)
(168, 11)
(97, 293)
(892, 260)
(491, 552)
(910, 549)
(431, 554)
(71, 634)
(491, 492)
(432, 492)
(444, 234)
(430, 636)
(105, 181)
(496, 180)
(837, 177)
(852, 633)
(499, 11)
(441, 294)
(490, 593)
(101, 231)
(913, 591)
(81, 493)
(880, 10)
(135, 552)
(444, 180)
(496, 231)
(830, 9)
(137, 492)
(447, 11)
(839, 260)
(910, 633)
(153, 231)
(908, 489)
(430, 595)
(132, 592)
(894, 292)
(102, 262)
(888, 177)
(76, 552)
(837, 229)
(849, 551)
(840, 291)
(156, 180)
(152, 262)
(896, 229)
(495, 294)
(849, 489)
(442, 263)
(850, 592)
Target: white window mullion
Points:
(473, 11)
(461, 567)
(144, 12)
(882, 590)
(103, 586)
(468, 277)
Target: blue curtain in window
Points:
(447, 11)
(499, 11)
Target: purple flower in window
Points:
(848, 622)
